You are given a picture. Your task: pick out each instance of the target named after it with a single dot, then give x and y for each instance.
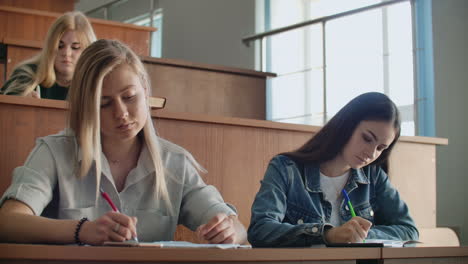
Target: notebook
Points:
(174, 244)
(377, 243)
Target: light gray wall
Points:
(209, 31)
(450, 32)
(117, 11)
(203, 31)
(87, 5)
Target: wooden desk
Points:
(22, 253)
(235, 151)
(208, 89)
(446, 255)
(189, 87)
(18, 25)
(26, 253)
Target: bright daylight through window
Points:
(322, 66)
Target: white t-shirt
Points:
(331, 187)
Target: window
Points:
(142, 13)
(152, 19)
(323, 65)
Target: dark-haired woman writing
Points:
(300, 201)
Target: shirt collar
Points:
(144, 166)
(312, 178)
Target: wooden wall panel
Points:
(235, 151)
(59, 6)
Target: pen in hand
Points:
(351, 208)
(350, 205)
(109, 201)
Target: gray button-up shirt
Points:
(49, 177)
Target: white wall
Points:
(209, 31)
(450, 32)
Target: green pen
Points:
(350, 205)
(351, 208)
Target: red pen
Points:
(109, 201)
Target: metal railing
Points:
(322, 20)
(248, 39)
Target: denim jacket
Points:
(290, 210)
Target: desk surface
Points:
(28, 253)
(424, 252)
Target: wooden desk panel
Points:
(442, 255)
(29, 25)
(20, 126)
(138, 39)
(235, 156)
(208, 89)
(413, 170)
(26, 253)
(22, 253)
(235, 151)
(24, 25)
(188, 87)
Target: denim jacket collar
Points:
(312, 178)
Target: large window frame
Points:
(421, 111)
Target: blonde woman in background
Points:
(111, 134)
(49, 73)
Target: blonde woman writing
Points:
(48, 74)
(111, 144)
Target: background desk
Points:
(188, 86)
(235, 151)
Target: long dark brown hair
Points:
(332, 138)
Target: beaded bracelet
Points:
(77, 231)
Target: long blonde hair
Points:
(25, 79)
(97, 61)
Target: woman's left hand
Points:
(223, 229)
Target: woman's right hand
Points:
(355, 230)
(112, 226)
(33, 94)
